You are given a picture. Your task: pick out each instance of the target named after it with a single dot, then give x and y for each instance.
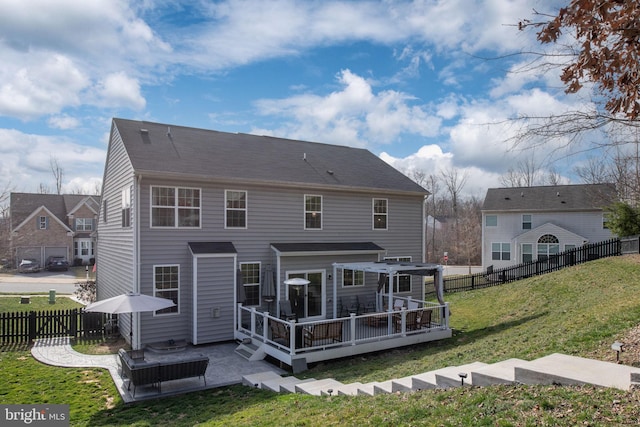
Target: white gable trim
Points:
(548, 228)
(37, 212)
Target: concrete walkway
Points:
(225, 367)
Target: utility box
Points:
(52, 296)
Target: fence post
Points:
(73, 324)
(32, 325)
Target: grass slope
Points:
(576, 311)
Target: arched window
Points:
(548, 245)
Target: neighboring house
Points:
(43, 225)
(522, 224)
(188, 213)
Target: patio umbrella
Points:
(130, 303)
(268, 287)
(296, 281)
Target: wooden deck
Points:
(297, 344)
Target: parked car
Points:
(29, 266)
(57, 263)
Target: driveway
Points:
(63, 282)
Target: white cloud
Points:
(25, 160)
(353, 115)
(47, 85)
(120, 90)
(431, 160)
(64, 122)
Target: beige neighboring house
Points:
(44, 225)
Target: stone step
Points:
(367, 389)
(318, 387)
(283, 384)
(572, 370)
(450, 377)
(497, 373)
(244, 352)
(255, 380)
(384, 387)
(350, 389)
(402, 384)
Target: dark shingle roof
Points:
(178, 150)
(212, 248)
(550, 198)
(24, 204)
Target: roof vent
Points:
(558, 194)
(507, 198)
(144, 130)
(304, 157)
(522, 194)
(330, 172)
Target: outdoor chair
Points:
(411, 321)
(370, 305)
(398, 304)
(279, 332)
(424, 319)
(412, 305)
(285, 311)
(323, 331)
(354, 306)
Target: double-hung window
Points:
(526, 222)
(380, 214)
(175, 207)
(491, 221)
(527, 252)
(501, 251)
(166, 284)
(236, 209)
(251, 282)
(84, 224)
(312, 212)
(352, 277)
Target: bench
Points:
(142, 372)
(323, 331)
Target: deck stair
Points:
(553, 369)
(250, 351)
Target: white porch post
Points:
(335, 291)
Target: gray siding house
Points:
(522, 224)
(212, 220)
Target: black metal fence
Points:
(495, 277)
(22, 327)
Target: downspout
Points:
(136, 255)
(278, 266)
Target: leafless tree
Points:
(58, 173)
(524, 175)
(454, 181)
(43, 188)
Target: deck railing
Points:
(303, 337)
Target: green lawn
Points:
(11, 304)
(578, 311)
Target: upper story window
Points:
(380, 214)
(312, 212)
(126, 207)
(526, 222)
(491, 220)
(352, 277)
(166, 284)
(175, 207)
(235, 209)
(251, 282)
(43, 222)
(84, 224)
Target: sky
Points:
(427, 85)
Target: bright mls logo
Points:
(35, 415)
